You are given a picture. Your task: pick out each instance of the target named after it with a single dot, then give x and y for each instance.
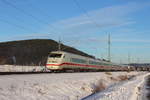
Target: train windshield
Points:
(54, 55)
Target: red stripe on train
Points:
(83, 65)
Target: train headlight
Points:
(52, 61)
(53, 67)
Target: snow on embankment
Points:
(126, 90)
(61, 86)
(145, 89)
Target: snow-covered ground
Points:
(65, 86)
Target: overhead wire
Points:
(27, 13)
(16, 25)
(85, 13)
(45, 14)
(41, 11)
(22, 11)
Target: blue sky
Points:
(84, 25)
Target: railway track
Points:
(11, 73)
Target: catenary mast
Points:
(109, 43)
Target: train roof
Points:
(60, 52)
(78, 55)
(67, 53)
(64, 52)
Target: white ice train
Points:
(62, 61)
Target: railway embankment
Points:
(128, 89)
(148, 88)
(145, 90)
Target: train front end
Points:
(54, 61)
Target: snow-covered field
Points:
(68, 86)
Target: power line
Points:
(44, 13)
(85, 12)
(26, 13)
(16, 25)
(41, 11)
(97, 25)
(22, 11)
(63, 48)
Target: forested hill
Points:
(31, 52)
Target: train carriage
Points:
(60, 60)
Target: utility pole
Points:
(120, 61)
(138, 60)
(129, 58)
(59, 45)
(101, 56)
(109, 43)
